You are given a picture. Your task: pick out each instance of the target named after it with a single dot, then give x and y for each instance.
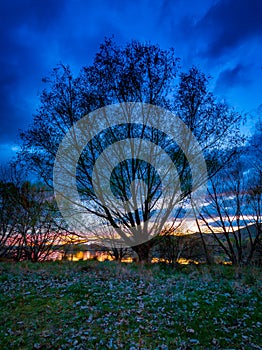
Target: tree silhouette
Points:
(136, 72)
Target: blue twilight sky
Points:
(222, 37)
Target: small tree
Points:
(9, 239)
(170, 248)
(35, 224)
(30, 228)
(233, 213)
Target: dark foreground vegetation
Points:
(92, 305)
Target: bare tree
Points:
(30, 228)
(134, 73)
(9, 238)
(40, 233)
(232, 214)
(170, 248)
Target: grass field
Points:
(91, 305)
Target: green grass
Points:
(91, 305)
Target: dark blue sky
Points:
(222, 37)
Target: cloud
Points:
(36, 35)
(228, 23)
(7, 153)
(239, 75)
(25, 30)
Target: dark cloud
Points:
(36, 35)
(25, 29)
(228, 23)
(239, 75)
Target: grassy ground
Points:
(91, 305)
